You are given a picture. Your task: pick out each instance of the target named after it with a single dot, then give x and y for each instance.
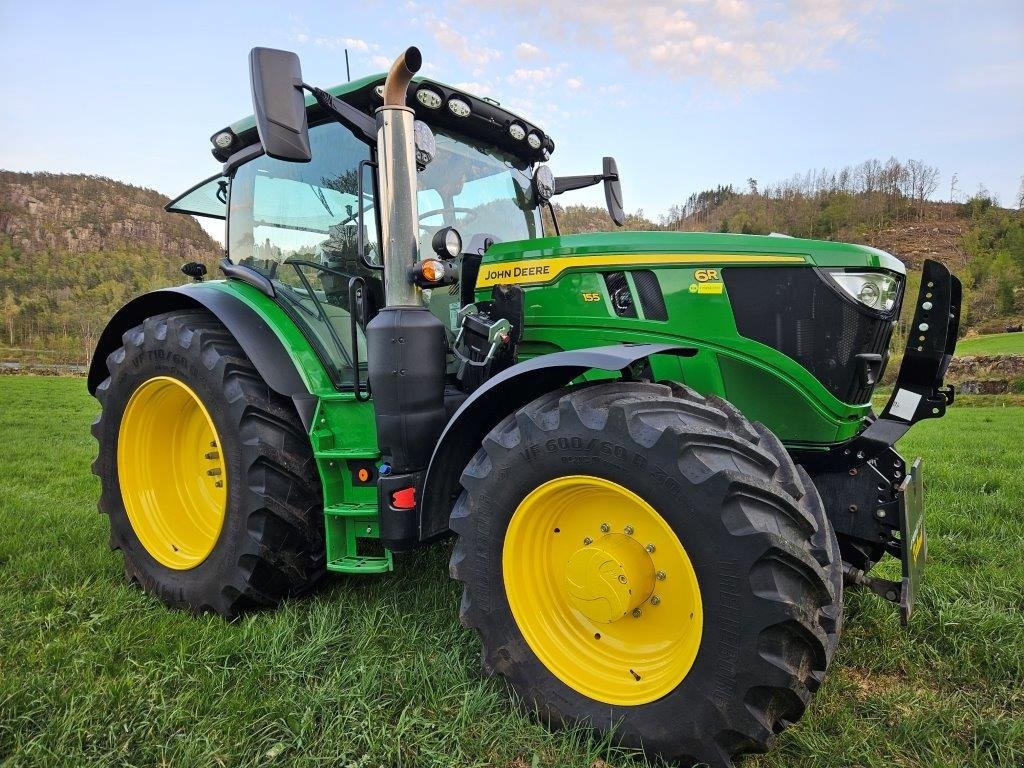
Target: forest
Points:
(74, 248)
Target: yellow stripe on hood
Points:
(531, 271)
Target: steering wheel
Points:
(443, 211)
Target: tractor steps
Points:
(353, 528)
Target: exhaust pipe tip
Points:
(400, 75)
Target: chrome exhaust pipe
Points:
(405, 343)
(396, 177)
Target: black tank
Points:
(406, 349)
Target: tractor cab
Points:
(310, 227)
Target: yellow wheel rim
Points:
(172, 473)
(602, 590)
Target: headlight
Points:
(447, 242)
(878, 290)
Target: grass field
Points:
(377, 671)
(992, 344)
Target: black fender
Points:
(494, 400)
(253, 335)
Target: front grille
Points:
(794, 310)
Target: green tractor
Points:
(655, 451)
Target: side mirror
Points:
(279, 104)
(613, 192)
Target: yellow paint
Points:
(602, 590)
(532, 271)
(172, 473)
(915, 549)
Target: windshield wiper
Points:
(322, 198)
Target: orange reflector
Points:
(404, 498)
(432, 270)
(363, 474)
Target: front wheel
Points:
(646, 561)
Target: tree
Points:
(11, 310)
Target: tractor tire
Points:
(206, 473)
(571, 505)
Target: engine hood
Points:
(544, 260)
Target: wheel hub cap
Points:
(609, 579)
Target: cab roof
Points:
(487, 119)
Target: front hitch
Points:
(871, 498)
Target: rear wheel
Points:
(648, 562)
(206, 474)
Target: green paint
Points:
(343, 428)
(765, 384)
(574, 311)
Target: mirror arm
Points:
(569, 183)
(364, 126)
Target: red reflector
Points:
(404, 498)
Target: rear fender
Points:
(494, 400)
(254, 336)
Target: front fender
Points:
(501, 395)
(254, 336)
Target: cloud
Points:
(527, 51)
(453, 42)
(731, 42)
(351, 43)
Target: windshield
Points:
(478, 189)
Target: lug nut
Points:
(655, 600)
(637, 613)
(660, 575)
(211, 455)
(628, 530)
(587, 541)
(650, 549)
(605, 527)
(213, 472)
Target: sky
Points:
(686, 94)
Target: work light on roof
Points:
(428, 98)
(223, 139)
(458, 107)
(517, 132)
(533, 140)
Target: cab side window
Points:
(297, 224)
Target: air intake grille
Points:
(794, 310)
(652, 301)
(619, 293)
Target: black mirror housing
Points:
(613, 191)
(279, 104)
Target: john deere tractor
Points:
(655, 451)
